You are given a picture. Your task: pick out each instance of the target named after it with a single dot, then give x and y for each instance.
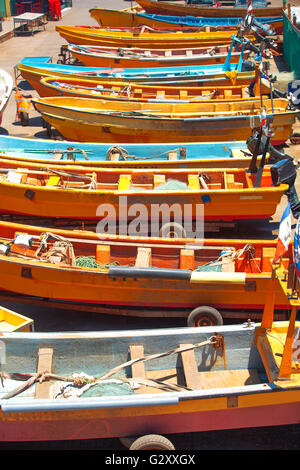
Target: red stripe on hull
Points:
(48, 430)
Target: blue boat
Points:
(131, 154)
(168, 75)
(196, 21)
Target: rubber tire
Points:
(174, 227)
(152, 442)
(204, 316)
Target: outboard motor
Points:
(252, 22)
(283, 170)
(275, 155)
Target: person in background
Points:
(23, 106)
(55, 9)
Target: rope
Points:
(116, 149)
(30, 379)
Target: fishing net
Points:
(211, 266)
(90, 262)
(172, 185)
(111, 388)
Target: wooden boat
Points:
(13, 321)
(117, 18)
(122, 91)
(191, 155)
(98, 56)
(181, 9)
(214, 279)
(215, 194)
(92, 120)
(33, 69)
(150, 39)
(147, 383)
(6, 86)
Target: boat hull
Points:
(6, 87)
(119, 91)
(172, 8)
(196, 416)
(244, 79)
(94, 59)
(222, 205)
(117, 18)
(17, 151)
(238, 398)
(89, 288)
(97, 37)
(84, 125)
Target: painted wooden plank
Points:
(143, 259)
(138, 370)
(190, 368)
(44, 365)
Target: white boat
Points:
(6, 87)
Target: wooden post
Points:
(285, 370)
(267, 318)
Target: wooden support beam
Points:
(159, 180)
(103, 254)
(44, 365)
(138, 370)
(190, 368)
(187, 259)
(143, 259)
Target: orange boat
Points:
(96, 36)
(201, 280)
(211, 194)
(100, 56)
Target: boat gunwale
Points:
(166, 399)
(247, 191)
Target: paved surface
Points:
(48, 43)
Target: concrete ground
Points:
(48, 42)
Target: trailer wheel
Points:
(172, 230)
(152, 442)
(204, 316)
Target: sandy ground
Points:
(48, 43)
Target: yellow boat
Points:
(13, 321)
(92, 120)
(212, 194)
(122, 91)
(152, 39)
